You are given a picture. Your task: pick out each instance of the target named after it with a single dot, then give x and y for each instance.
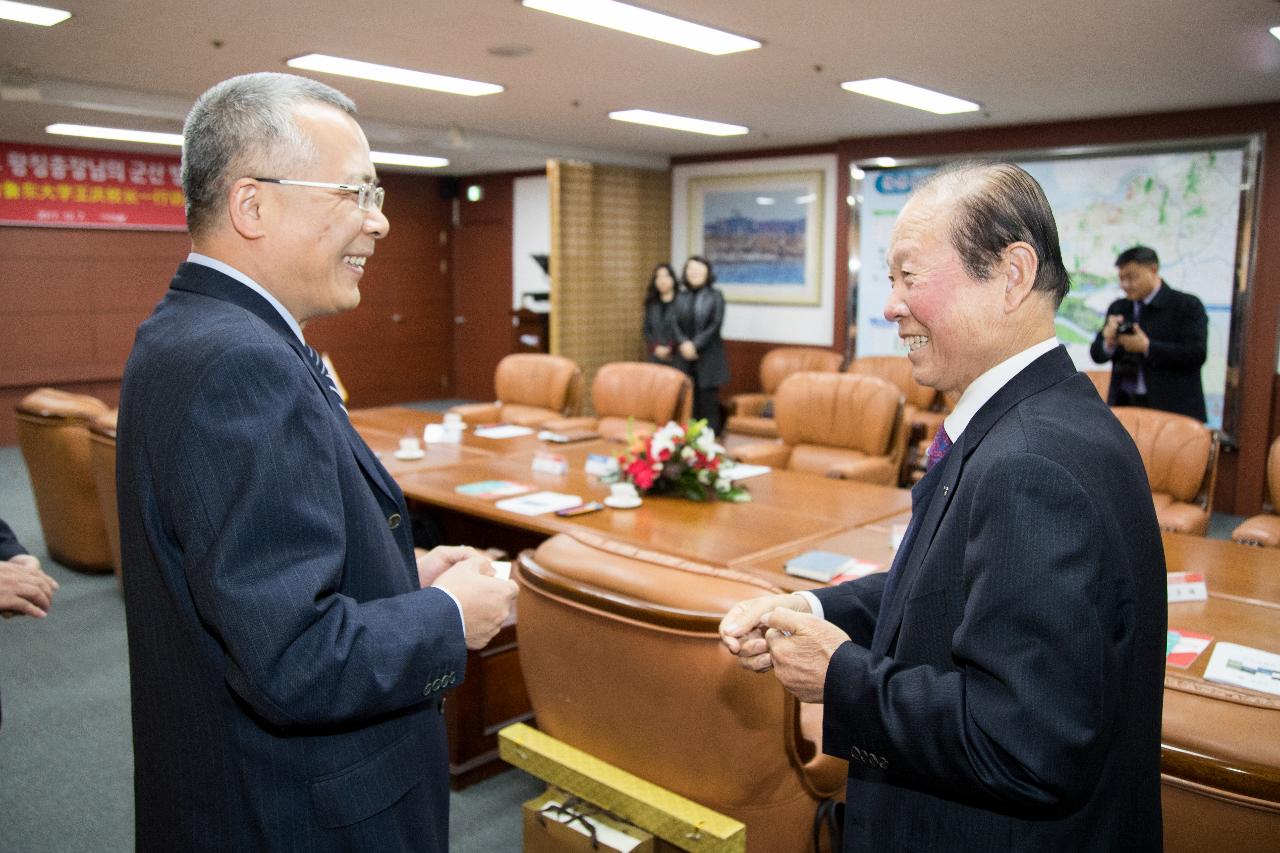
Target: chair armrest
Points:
(748, 404)
(569, 424)
(1261, 530)
(771, 453)
(1183, 518)
(478, 413)
(870, 470)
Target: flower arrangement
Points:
(681, 459)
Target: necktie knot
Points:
(937, 450)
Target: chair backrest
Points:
(780, 363)
(53, 432)
(1101, 380)
(537, 379)
(621, 657)
(847, 410)
(1179, 452)
(102, 458)
(647, 392)
(895, 369)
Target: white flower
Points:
(704, 476)
(688, 454)
(722, 485)
(706, 442)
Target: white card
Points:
(1186, 586)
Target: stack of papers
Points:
(538, 503)
(1183, 647)
(491, 489)
(502, 431)
(1242, 666)
(740, 471)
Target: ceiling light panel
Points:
(895, 91)
(391, 74)
(673, 122)
(387, 158)
(25, 13)
(119, 134)
(651, 25)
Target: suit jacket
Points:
(9, 544)
(286, 670)
(698, 317)
(1007, 696)
(1179, 330)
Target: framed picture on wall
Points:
(762, 233)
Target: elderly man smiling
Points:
(1000, 687)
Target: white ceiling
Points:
(140, 63)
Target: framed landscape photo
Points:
(762, 233)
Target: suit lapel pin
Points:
(946, 490)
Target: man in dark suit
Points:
(1000, 687)
(1155, 339)
(288, 657)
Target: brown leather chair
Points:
(746, 411)
(923, 409)
(622, 659)
(1181, 458)
(1265, 529)
(633, 397)
(532, 388)
(102, 458)
(53, 432)
(843, 425)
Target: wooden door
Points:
(481, 286)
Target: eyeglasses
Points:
(368, 196)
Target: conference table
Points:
(789, 514)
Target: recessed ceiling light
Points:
(117, 133)
(25, 13)
(765, 200)
(391, 74)
(1275, 31)
(650, 25)
(388, 158)
(692, 125)
(898, 92)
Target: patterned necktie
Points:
(937, 450)
(318, 363)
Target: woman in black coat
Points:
(699, 314)
(659, 315)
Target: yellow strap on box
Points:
(669, 816)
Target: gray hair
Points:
(245, 126)
(998, 204)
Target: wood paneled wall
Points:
(72, 299)
(610, 226)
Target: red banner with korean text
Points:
(82, 188)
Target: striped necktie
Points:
(318, 364)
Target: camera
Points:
(1125, 327)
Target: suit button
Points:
(393, 521)
(426, 691)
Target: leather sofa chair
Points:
(633, 396)
(102, 458)
(532, 388)
(1265, 529)
(923, 407)
(843, 425)
(1181, 458)
(621, 657)
(747, 411)
(53, 432)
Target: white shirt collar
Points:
(232, 272)
(985, 387)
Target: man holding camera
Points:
(1156, 339)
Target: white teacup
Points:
(433, 433)
(623, 491)
(452, 418)
(410, 444)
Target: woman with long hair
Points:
(659, 316)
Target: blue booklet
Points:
(819, 565)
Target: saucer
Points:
(407, 455)
(622, 503)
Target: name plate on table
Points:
(600, 465)
(550, 463)
(1186, 586)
